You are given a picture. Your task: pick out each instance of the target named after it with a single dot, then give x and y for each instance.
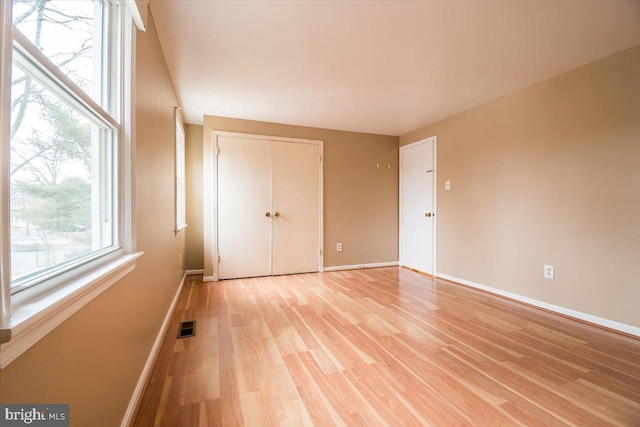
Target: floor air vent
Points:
(187, 329)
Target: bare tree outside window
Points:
(53, 147)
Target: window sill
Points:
(33, 319)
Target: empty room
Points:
(296, 213)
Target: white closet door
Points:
(416, 206)
(296, 207)
(244, 200)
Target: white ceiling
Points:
(386, 67)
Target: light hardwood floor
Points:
(384, 346)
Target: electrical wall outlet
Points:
(339, 247)
(548, 271)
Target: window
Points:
(61, 170)
(65, 103)
(181, 202)
(68, 33)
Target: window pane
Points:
(60, 181)
(180, 176)
(68, 33)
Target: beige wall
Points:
(195, 241)
(360, 200)
(548, 175)
(94, 359)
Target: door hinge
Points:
(218, 258)
(319, 159)
(217, 151)
(319, 251)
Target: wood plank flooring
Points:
(383, 346)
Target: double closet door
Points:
(268, 207)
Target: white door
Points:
(244, 201)
(417, 216)
(296, 207)
(268, 207)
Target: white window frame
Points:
(54, 81)
(29, 315)
(180, 195)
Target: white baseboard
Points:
(151, 360)
(589, 318)
(197, 271)
(357, 266)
